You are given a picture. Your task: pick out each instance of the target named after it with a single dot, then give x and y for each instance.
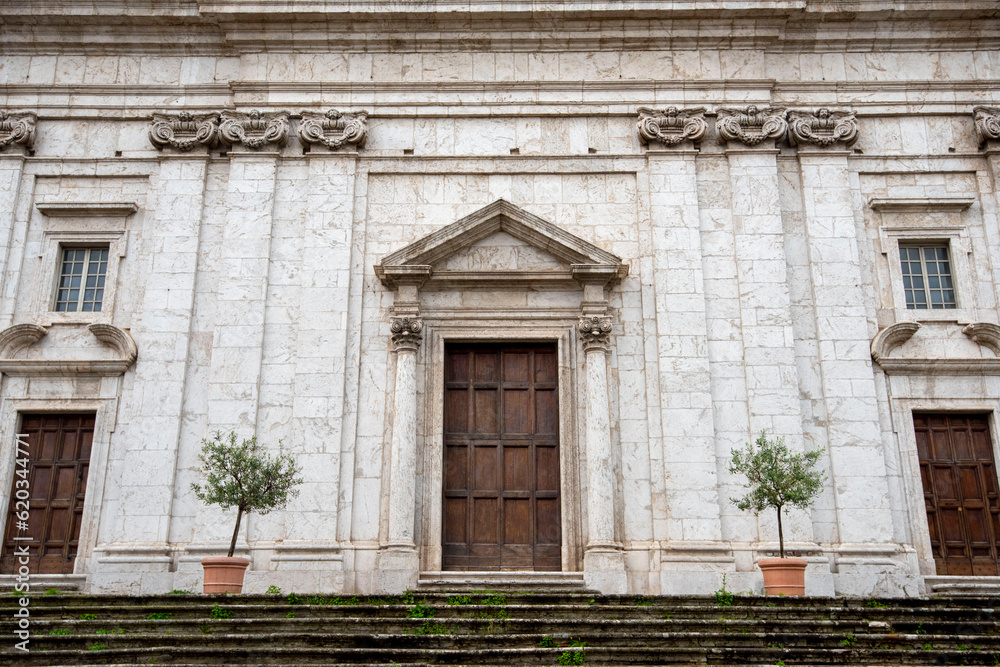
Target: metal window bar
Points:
(927, 279)
(81, 280)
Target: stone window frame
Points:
(921, 247)
(959, 250)
(53, 244)
(903, 408)
(79, 304)
(105, 410)
(80, 224)
(439, 331)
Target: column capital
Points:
(671, 126)
(406, 334)
(822, 128)
(333, 129)
(184, 131)
(595, 331)
(987, 121)
(254, 129)
(750, 125)
(17, 128)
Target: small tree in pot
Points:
(778, 478)
(239, 474)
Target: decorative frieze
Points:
(254, 129)
(595, 331)
(17, 128)
(184, 131)
(822, 127)
(752, 125)
(334, 129)
(671, 126)
(406, 333)
(987, 123)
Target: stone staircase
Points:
(500, 628)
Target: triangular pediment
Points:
(500, 242)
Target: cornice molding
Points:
(87, 209)
(20, 336)
(911, 204)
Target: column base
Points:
(398, 570)
(604, 570)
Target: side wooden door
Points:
(501, 459)
(959, 477)
(59, 457)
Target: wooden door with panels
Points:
(501, 458)
(959, 477)
(58, 462)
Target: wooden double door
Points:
(501, 458)
(959, 478)
(58, 462)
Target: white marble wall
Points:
(758, 276)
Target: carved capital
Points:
(751, 125)
(17, 128)
(406, 333)
(987, 123)
(334, 129)
(595, 332)
(184, 131)
(254, 129)
(822, 127)
(672, 125)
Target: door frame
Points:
(430, 456)
(909, 473)
(105, 415)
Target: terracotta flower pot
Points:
(223, 574)
(783, 576)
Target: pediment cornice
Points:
(584, 262)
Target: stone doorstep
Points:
(39, 583)
(535, 582)
(962, 586)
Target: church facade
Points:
(510, 280)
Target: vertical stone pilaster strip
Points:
(154, 416)
(406, 338)
(11, 173)
(855, 446)
(765, 318)
(682, 350)
(244, 255)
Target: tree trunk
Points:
(781, 537)
(236, 531)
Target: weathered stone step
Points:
(534, 656)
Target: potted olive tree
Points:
(778, 478)
(239, 474)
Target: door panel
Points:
(58, 462)
(960, 492)
(501, 468)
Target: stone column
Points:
(398, 560)
(604, 560)
(857, 464)
(17, 136)
(151, 421)
(765, 317)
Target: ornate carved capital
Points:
(987, 123)
(17, 128)
(254, 129)
(672, 125)
(751, 125)
(822, 128)
(334, 128)
(183, 131)
(406, 333)
(595, 332)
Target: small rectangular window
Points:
(927, 277)
(81, 279)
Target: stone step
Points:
(537, 582)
